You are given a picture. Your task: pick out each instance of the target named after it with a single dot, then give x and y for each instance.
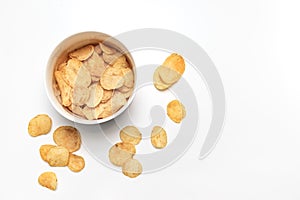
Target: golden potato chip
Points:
(93, 113)
(64, 88)
(48, 180)
(128, 77)
(80, 95)
(76, 163)
(106, 49)
(58, 156)
(112, 78)
(126, 147)
(39, 125)
(117, 101)
(124, 89)
(70, 71)
(68, 137)
(107, 94)
(158, 83)
(176, 111)
(44, 149)
(106, 109)
(83, 77)
(97, 49)
(111, 58)
(95, 95)
(130, 134)
(168, 75)
(132, 168)
(118, 154)
(76, 110)
(95, 65)
(176, 62)
(128, 94)
(82, 53)
(121, 62)
(159, 137)
(61, 66)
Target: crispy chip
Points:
(128, 94)
(118, 154)
(168, 75)
(176, 62)
(121, 62)
(111, 58)
(158, 83)
(124, 89)
(106, 49)
(176, 111)
(64, 88)
(76, 163)
(44, 149)
(82, 53)
(58, 156)
(93, 113)
(112, 78)
(107, 94)
(128, 77)
(76, 110)
(106, 109)
(83, 78)
(80, 96)
(68, 137)
(48, 180)
(130, 134)
(69, 73)
(39, 125)
(95, 65)
(117, 101)
(159, 137)
(95, 95)
(132, 168)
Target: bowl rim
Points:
(49, 76)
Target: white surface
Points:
(255, 46)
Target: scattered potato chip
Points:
(48, 180)
(95, 65)
(44, 149)
(106, 49)
(58, 156)
(76, 163)
(95, 95)
(159, 137)
(132, 168)
(68, 137)
(176, 62)
(82, 53)
(80, 96)
(158, 83)
(64, 88)
(130, 134)
(168, 75)
(118, 154)
(176, 111)
(39, 125)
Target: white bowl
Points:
(60, 54)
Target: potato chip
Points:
(58, 156)
(106, 49)
(76, 163)
(83, 53)
(111, 58)
(95, 95)
(64, 88)
(128, 77)
(118, 154)
(112, 78)
(76, 110)
(80, 95)
(68, 137)
(117, 101)
(130, 134)
(121, 62)
(124, 89)
(97, 49)
(48, 180)
(127, 94)
(176, 62)
(168, 75)
(39, 125)
(93, 113)
(176, 111)
(158, 83)
(107, 94)
(95, 65)
(70, 72)
(106, 108)
(83, 77)
(159, 137)
(44, 149)
(132, 168)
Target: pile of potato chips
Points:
(94, 82)
(67, 140)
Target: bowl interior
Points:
(60, 55)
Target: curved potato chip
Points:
(111, 58)
(124, 89)
(128, 77)
(48, 180)
(128, 94)
(58, 156)
(159, 137)
(176, 111)
(95, 65)
(112, 78)
(168, 75)
(76, 110)
(93, 113)
(107, 94)
(64, 88)
(95, 95)
(106, 49)
(83, 77)
(82, 53)
(44, 149)
(121, 62)
(132, 168)
(106, 109)
(158, 82)
(80, 96)
(117, 101)
(68, 137)
(130, 134)
(97, 49)
(39, 125)
(175, 62)
(76, 163)
(118, 156)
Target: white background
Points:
(255, 46)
